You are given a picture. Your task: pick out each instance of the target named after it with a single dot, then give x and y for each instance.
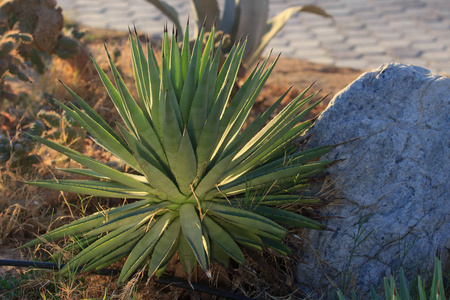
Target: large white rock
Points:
(395, 178)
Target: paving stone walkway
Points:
(364, 33)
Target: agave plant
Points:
(241, 18)
(206, 183)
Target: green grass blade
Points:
(404, 292)
(421, 289)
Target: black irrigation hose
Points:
(176, 282)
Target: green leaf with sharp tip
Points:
(153, 72)
(185, 54)
(192, 230)
(98, 248)
(93, 187)
(138, 70)
(223, 239)
(207, 53)
(189, 88)
(186, 254)
(287, 217)
(87, 223)
(176, 75)
(93, 114)
(132, 217)
(199, 109)
(185, 168)
(143, 150)
(209, 182)
(171, 135)
(159, 180)
(113, 94)
(219, 255)
(240, 216)
(162, 249)
(273, 176)
(276, 245)
(96, 166)
(102, 135)
(145, 246)
(113, 255)
(240, 234)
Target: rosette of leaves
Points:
(206, 184)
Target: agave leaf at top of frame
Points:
(241, 19)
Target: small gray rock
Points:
(394, 180)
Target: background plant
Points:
(194, 162)
(241, 19)
(43, 21)
(10, 61)
(392, 291)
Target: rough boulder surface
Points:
(394, 180)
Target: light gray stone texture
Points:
(394, 175)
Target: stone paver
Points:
(364, 33)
